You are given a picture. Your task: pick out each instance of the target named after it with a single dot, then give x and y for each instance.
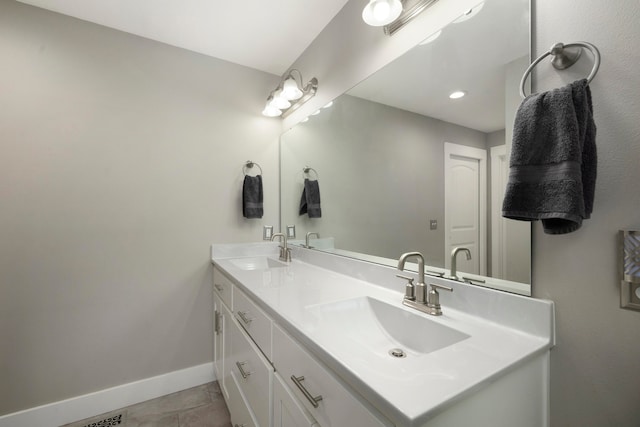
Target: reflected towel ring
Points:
(249, 165)
(564, 56)
(307, 171)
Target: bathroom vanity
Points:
(325, 341)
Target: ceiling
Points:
(469, 56)
(265, 35)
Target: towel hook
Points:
(307, 170)
(564, 56)
(249, 165)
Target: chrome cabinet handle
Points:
(241, 369)
(298, 382)
(239, 425)
(243, 315)
(218, 287)
(216, 322)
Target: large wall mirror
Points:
(403, 167)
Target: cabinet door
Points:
(287, 410)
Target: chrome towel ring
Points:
(564, 56)
(249, 165)
(307, 171)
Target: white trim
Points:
(499, 170)
(111, 399)
(451, 149)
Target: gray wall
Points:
(381, 177)
(594, 369)
(120, 163)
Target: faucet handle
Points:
(433, 298)
(409, 293)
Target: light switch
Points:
(267, 232)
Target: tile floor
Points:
(201, 406)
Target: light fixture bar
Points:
(408, 14)
(290, 89)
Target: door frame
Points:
(452, 149)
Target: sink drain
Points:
(397, 352)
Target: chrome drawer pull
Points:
(219, 287)
(243, 315)
(298, 382)
(241, 369)
(239, 425)
(216, 322)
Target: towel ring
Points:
(564, 56)
(307, 171)
(249, 165)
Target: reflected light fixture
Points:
(378, 13)
(392, 15)
(289, 95)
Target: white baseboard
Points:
(100, 402)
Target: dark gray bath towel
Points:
(553, 159)
(310, 200)
(252, 197)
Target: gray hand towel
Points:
(310, 200)
(553, 159)
(252, 197)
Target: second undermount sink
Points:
(257, 263)
(382, 328)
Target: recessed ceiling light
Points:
(469, 13)
(457, 94)
(328, 105)
(316, 113)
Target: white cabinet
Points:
(250, 348)
(320, 392)
(288, 411)
(253, 374)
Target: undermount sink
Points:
(257, 263)
(382, 328)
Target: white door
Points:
(465, 206)
(499, 171)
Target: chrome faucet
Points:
(454, 256)
(415, 296)
(309, 234)
(285, 251)
(418, 291)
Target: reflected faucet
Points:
(285, 251)
(454, 255)
(309, 234)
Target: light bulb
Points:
(290, 90)
(381, 12)
(280, 101)
(270, 110)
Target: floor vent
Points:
(115, 420)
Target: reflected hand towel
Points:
(310, 200)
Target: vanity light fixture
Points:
(457, 94)
(290, 94)
(378, 13)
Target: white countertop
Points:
(504, 331)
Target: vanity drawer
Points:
(223, 286)
(238, 409)
(253, 320)
(335, 406)
(253, 373)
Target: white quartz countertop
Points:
(409, 390)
